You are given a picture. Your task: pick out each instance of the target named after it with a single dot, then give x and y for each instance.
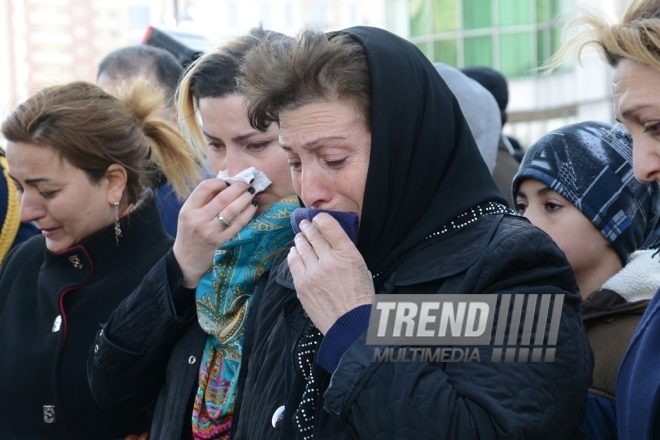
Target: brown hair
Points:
(286, 74)
(636, 37)
(215, 75)
(93, 129)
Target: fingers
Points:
(314, 239)
(319, 237)
(238, 214)
(296, 264)
(199, 230)
(144, 436)
(213, 195)
(205, 191)
(231, 211)
(230, 202)
(305, 251)
(331, 233)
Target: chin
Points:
(55, 247)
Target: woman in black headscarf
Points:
(371, 129)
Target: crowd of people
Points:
(175, 260)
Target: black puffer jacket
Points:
(363, 399)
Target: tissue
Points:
(259, 184)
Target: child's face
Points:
(582, 243)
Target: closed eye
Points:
(215, 146)
(335, 163)
(256, 146)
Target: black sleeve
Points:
(127, 362)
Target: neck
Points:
(594, 277)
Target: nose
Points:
(235, 161)
(30, 208)
(646, 159)
(314, 188)
(531, 215)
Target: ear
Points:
(174, 114)
(117, 177)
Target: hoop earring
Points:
(117, 228)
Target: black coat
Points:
(425, 400)
(149, 352)
(43, 387)
(150, 348)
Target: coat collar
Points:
(99, 253)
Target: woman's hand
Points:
(330, 275)
(144, 436)
(200, 230)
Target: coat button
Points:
(96, 348)
(278, 415)
(192, 360)
(57, 324)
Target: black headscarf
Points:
(425, 168)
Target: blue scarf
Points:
(223, 301)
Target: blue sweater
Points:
(638, 382)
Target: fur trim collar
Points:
(639, 279)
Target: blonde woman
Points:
(632, 48)
(179, 339)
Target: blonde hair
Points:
(216, 74)
(636, 37)
(93, 129)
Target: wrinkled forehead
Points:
(636, 90)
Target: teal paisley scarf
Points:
(223, 302)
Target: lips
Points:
(49, 232)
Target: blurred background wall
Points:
(45, 42)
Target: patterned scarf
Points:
(223, 302)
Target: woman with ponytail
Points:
(182, 338)
(83, 162)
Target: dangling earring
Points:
(117, 228)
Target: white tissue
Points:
(260, 183)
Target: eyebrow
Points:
(315, 143)
(632, 112)
(236, 139)
(543, 191)
(30, 181)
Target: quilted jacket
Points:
(364, 399)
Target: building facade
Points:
(517, 38)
